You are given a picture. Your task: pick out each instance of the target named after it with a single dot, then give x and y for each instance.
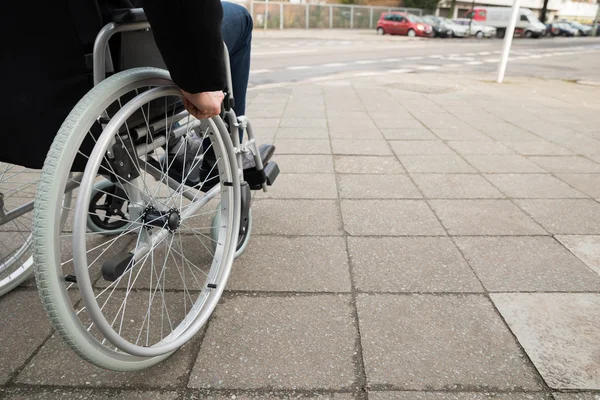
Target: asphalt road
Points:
(293, 56)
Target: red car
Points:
(399, 23)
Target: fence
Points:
(279, 15)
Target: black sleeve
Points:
(188, 35)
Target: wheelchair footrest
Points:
(256, 178)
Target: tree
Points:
(452, 8)
(544, 11)
(429, 6)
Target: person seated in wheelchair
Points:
(49, 73)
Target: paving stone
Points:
(82, 394)
(538, 148)
(578, 217)
(303, 123)
(399, 122)
(575, 396)
(302, 133)
(302, 186)
(389, 218)
(302, 264)
(502, 163)
(410, 265)
(361, 147)
(367, 165)
(559, 333)
(296, 217)
(567, 164)
(534, 264)
(479, 147)
(484, 217)
(305, 163)
(249, 395)
(408, 134)
(303, 146)
(345, 125)
(377, 186)
(540, 186)
(259, 123)
(433, 342)
(587, 183)
(23, 329)
(420, 147)
(586, 248)
(455, 186)
(456, 396)
(437, 163)
(463, 133)
(299, 342)
(371, 134)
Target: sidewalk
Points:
(426, 240)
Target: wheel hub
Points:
(170, 220)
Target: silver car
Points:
(476, 29)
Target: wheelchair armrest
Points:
(128, 15)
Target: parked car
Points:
(399, 23)
(476, 29)
(457, 30)
(444, 27)
(562, 29)
(499, 17)
(583, 30)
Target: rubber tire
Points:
(479, 35)
(380, 31)
(411, 33)
(103, 185)
(528, 34)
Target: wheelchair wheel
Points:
(146, 291)
(243, 238)
(17, 187)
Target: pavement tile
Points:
(302, 133)
(361, 147)
(299, 342)
(420, 264)
(377, 186)
(559, 333)
(296, 217)
(303, 123)
(302, 186)
(344, 125)
(438, 163)
(540, 186)
(538, 148)
(437, 120)
(408, 134)
(82, 394)
(462, 133)
(399, 122)
(479, 147)
(567, 164)
(536, 264)
(389, 218)
(367, 165)
(576, 396)
(420, 147)
(433, 342)
(586, 248)
(459, 186)
(249, 395)
(301, 264)
(484, 217)
(587, 183)
(504, 132)
(259, 123)
(457, 396)
(357, 134)
(302, 146)
(577, 217)
(23, 329)
(305, 163)
(502, 163)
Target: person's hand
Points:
(203, 105)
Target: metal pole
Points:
(252, 9)
(595, 24)
(371, 18)
(307, 16)
(280, 15)
(351, 17)
(266, 14)
(508, 36)
(330, 17)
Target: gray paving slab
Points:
(567, 164)
(407, 134)
(342, 124)
(302, 133)
(296, 217)
(305, 163)
(389, 218)
(537, 186)
(484, 217)
(250, 395)
(259, 123)
(586, 248)
(502, 163)
(367, 165)
(410, 265)
(420, 147)
(440, 342)
(455, 186)
(505, 132)
(527, 264)
(82, 394)
(586, 183)
(303, 146)
(460, 133)
(301, 264)
(377, 186)
(400, 121)
(538, 148)
(479, 147)
(578, 217)
(559, 333)
(437, 163)
(457, 396)
(23, 329)
(302, 186)
(576, 396)
(360, 147)
(297, 342)
(303, 123)
(356, 134)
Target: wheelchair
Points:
(130, 261)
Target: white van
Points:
(499, 17)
